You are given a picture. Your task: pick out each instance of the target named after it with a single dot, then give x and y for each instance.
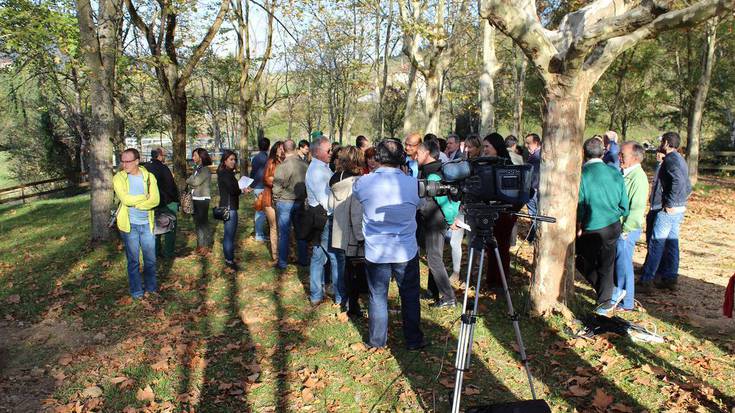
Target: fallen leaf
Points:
(471, 390)
(145, 394)
(578, 391)
(620, 407)
(342, 317)
(307, 395)
(118, 380)
(13, 299)
(160, 366)
(601, 400)
(447, 382)
(92, 391)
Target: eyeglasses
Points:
(132, 160)
(412, 144)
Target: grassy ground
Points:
(72, 340)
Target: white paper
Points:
(244, 182)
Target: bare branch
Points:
(202, 47)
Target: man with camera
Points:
(434, 217)
(602, 202)
(389, 199)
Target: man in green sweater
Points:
(636, 185)
(602, 202)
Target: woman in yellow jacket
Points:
(138, 193)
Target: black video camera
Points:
(485, 179)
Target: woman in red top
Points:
(275, 157)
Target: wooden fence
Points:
(24, 192)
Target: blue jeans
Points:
(624, 277)
(260, 220)
(286, 213)
(228, 242)
(320, 254)
(532, 206)
(663, 247)
(407, 278)
(140, 238)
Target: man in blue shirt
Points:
(389, 199)
(257, 171)
(317, 194)
(412, 143)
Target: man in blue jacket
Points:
(669, 195)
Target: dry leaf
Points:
(620, 407)
(601, 400)
(578, 391)
(13, 299)
(118, 380)
(160, 366)
(447, 382)
(307, 395)
(145, 394)
(342, 317)
(471, 390)
(92, 391)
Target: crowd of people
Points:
(358, 210)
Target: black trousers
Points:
(201, 223)
(355, 282)
(596, 259)
(438, 284)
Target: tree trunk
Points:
(432, 107)
(410, 101)
(520, 82)
(99, 56)
(563, 131)
(178, 136)
(694, 124)
(730, 116)
(487, 88)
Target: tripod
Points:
(482, 218)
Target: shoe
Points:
(315, 304)
(605, 309)
(617, 299)
(444, 304)
(429, 296)
(644, 287)
(667, 284)
(232, 265)
(329, 290)
(454, 278)
(420, 346)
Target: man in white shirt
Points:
(317, 196)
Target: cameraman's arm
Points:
(449, 208)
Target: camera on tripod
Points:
(482, 180)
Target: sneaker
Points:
(644, 287)
(605, 309)
(444, 304)
(617, 299)
(454, 278)
(667, 284)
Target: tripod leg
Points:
(514, 318)
(466, 332)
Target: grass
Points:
(223, 342)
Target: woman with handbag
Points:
(200, 182)
(229, 202)
(265, 200)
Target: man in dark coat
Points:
(169, 198)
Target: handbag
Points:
(221, 213)
(187, 202)
(164, 221)
(258, 205)
(112, 223)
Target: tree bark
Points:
(178, 133)
(563, 131)
(100, 55)
(519, 85)
(410, 101)
(487, 86)
(432, 104)
(694, 124)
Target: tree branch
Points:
(202, 47)
(519, 21)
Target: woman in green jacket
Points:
(200, 182)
